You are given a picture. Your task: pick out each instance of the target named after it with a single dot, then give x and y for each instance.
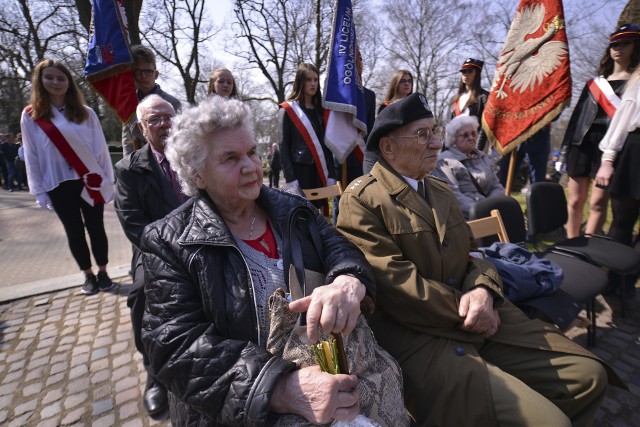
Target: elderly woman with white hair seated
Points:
(468, 171)
(211, 266)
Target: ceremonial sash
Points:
(304, 126)
(81, 159)
(604, 95)
(456, 108)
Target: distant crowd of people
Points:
(208, 242)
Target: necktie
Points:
(172, 180)
(421, 188)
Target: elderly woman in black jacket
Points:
(211, 266)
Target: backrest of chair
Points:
(489, 226)
(510, 212)
(323, 192)
(546, 208)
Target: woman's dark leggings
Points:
(625, 216)
(71, 210)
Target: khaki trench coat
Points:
(420, 254)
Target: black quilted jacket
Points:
(200, 326)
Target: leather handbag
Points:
(379, 375)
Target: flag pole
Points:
(512, 168)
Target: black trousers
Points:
(76, 215)
(274, 177)
(136, 302)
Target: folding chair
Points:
(582, 281)
(547, 213)
(334, 190)
(489, 226)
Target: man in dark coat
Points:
(145, 192)
(469, 357)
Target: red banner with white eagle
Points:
(532, 83)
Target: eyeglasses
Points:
(406, 81)
(157, 120)
(466, 135)
(424, 135)
(144, 71)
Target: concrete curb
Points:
(38, 287)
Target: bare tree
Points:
(179, 33)
(422, 38)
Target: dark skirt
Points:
(626, 178)
(584, 159)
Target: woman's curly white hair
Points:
(455, 124)
(194, 130)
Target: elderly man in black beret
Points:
(469, 357)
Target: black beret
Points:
(409, 109)
(626, 32)
(470, 63)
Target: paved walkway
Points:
(69, 360)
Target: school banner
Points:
(345, 112)
(532, 83)
(109, 65)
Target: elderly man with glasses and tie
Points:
(469, 357)
(145, 74)
(147, 189)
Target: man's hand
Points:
(476, 307)
(334, 308)
(317, 396)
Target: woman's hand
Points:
(476, 307)
(317, 396)
(605, 172)
(334, 308)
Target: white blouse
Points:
(46, 168)
(625, 120)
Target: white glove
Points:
(292, 184)
(330, 182)
(561, 167)
(43, 201)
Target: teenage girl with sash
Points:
(591, 117)
(471, 98)
(222, 83)
(619, 171)
(68, 165)
(306, 161)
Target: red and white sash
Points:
(456, 108)
(604, 95)
(304, 126)
(97, 190)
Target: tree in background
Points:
(427, 37)
(180, 35)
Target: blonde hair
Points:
(212, 82)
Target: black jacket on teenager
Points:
(200, 326)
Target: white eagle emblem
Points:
(526, 63)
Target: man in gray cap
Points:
(468, 356)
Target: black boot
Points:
(155, 397)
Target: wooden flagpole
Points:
(512, 168)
